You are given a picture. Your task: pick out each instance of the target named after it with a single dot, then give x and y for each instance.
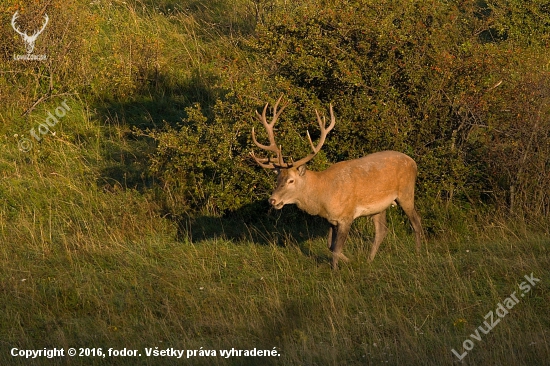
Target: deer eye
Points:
(290, 181)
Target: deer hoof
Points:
(339, 256)
(343, 257)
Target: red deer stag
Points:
(346, 190)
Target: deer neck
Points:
(312, 194)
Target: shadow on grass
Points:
(158, 103)
(258, 223)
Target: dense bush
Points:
(461, 86)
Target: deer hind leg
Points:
(339, 235)
(407, 204)
(380, 229)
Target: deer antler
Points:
(324, 132)
(277, 149)
(271, 136)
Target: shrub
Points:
(456, 85)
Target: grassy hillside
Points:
(108, 291)
(116, 230)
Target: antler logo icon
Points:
(29, 40)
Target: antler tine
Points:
(270, 147)
(261, 161)
(271, 136)
(324, 133)
(275, 113)
(324, 130)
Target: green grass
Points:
(89, 257)
(109, 287)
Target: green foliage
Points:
(201, 166)
(163, 97)
(458, 86)
(523, 22)
(445, 82)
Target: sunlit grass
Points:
(89, 258)
(93, 282)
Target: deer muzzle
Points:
(276, 204)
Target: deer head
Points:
(290, 176)
(29, 40)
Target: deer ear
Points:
(301, 170)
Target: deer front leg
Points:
(340, 233)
